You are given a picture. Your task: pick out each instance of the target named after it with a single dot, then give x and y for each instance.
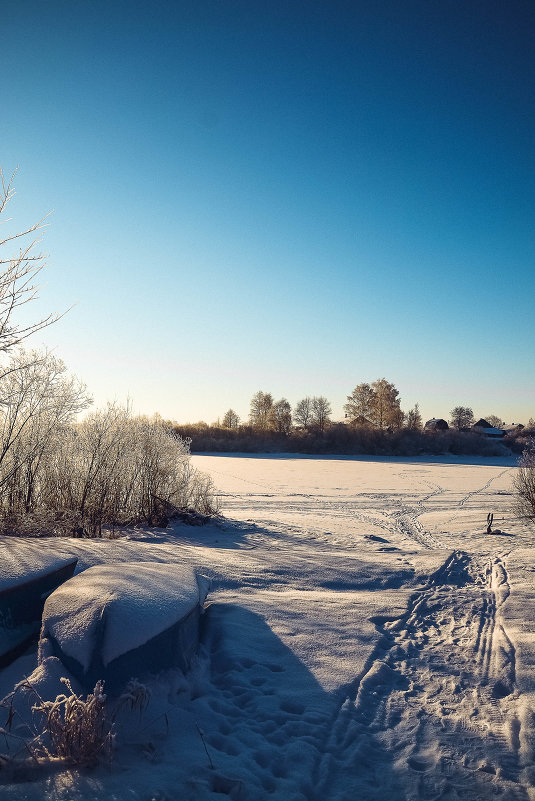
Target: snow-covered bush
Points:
(58, 476)
(74, 728)
(115, 469)
(524, 483)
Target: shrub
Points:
(524, 483)
(112, 469)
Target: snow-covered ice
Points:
(364, 639)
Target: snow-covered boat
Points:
(116, 622)
(27, 577)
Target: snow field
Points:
(364, 639)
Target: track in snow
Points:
(436, 714)
(485, 486)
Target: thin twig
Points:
(205, 748)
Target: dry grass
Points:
(71, 730)
(77, 729)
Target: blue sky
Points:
(287, 196)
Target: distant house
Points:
(486, 430)
(512, 428)
(436, 424)
(359, 421)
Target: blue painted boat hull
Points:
(172, 648)
(21, 608)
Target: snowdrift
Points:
(115, 622)
(25, 581)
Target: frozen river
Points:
(366, 639)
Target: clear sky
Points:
(288, 196)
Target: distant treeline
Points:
(374, 424)
(340, 438)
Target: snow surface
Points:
(139, 601)
(365, 640)
(26, 562)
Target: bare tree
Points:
(524, 483)
(303, 412)
(494, 421)
(461, 417)
(231, 419)
(321, 413)
(261, 405)
(281, 416)
(18, 272)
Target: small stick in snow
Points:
(205, 748)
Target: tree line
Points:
(374, 423)
(375, 405)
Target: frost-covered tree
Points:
(260, 414)
(413, 419)
(231, 419)
(110, 468)
(39, 399)
(303, 412)
(461, 417)
(377, 404)
(87, 476)
(280, 418)
(359, 406)
(321, 413)
(387, 413)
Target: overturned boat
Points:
(116, 622)
(27, 576)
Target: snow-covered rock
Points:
(114, 622)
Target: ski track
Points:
(402, 521)
(482, 489)
(462, 503)
(436, 713)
